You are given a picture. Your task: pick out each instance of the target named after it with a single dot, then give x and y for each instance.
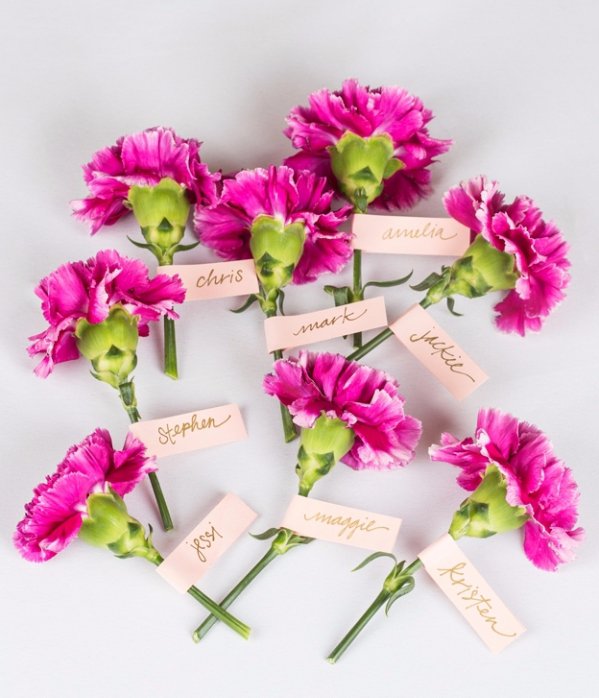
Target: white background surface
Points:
(514, 84)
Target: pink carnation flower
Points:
(55, 514)
(144, 159)
(365, 399)
(535, 480)
(88, 290)
(519, 229)
(293, 197)
(368, 112)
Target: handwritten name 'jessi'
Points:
(428, 230)
(204, 542)
(168, 434)
(347, 315)
(348, 524)
(443, 350)
(213, 279)
(471, 595)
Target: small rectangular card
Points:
(437, 351)
(464, 586)
(203, 546)
(314, 518)
(287, 331)
(204, 282)
(191, 431)
(408, 235)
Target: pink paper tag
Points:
(191, 431)
(314, 518)
(464, 586)
(205, 282)
(287, 331)
(203, 546)
(434, 348)
(407, 235)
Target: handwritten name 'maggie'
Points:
(170, 434)
(341, 318)
(347, 524)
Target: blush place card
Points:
(191, 431)
(314, 518)
(464, 586)
(436, 350)
(409, 235)
(206, 543)
(288, 331)
(205, 282)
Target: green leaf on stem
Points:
(281, 298)
(388, 284)
(270, 533)
(450, 306)
(404, 589)
(185, 248)
(341, 294)
(249, 302)
(430, 280)
(372, 557)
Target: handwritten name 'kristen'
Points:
(347, 315)
(348, 525)
(472, 596)
(170, 434)
(443, 351)
(428, 230)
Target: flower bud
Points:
(110, 345)
(486, 511)
(481, 269)
(361, 165)
(320, 448)
(276, 249)
(161, 212)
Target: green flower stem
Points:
(289, 429)
(357, 291)
(127, 394)
(382, 598)
(376, 340)
(170, 349)
(212, 619)
(217, 611)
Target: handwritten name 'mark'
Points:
(338, 319)
(168, 434)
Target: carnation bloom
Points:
(56, 513)
(144, 159)
(518, 229)
(534, 479)
(390, 112)
(89, 290)
(289, 198)
(364, 399)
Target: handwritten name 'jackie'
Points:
(347, 315)
(443, 350)
(428, 230)
(348, 525)
(169, 434)
(472, 597)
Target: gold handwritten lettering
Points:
(348, 525)
(204, 542)
(471, 593)
(428, 230)
(212, 279)
(169, 434)
(443, 350)
(347, 315)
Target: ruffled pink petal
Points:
(129, 466)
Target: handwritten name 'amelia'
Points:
(428, 230)
(348, 525)
(168, 434)
(443, 350)
(472, 597)
(347, 315)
